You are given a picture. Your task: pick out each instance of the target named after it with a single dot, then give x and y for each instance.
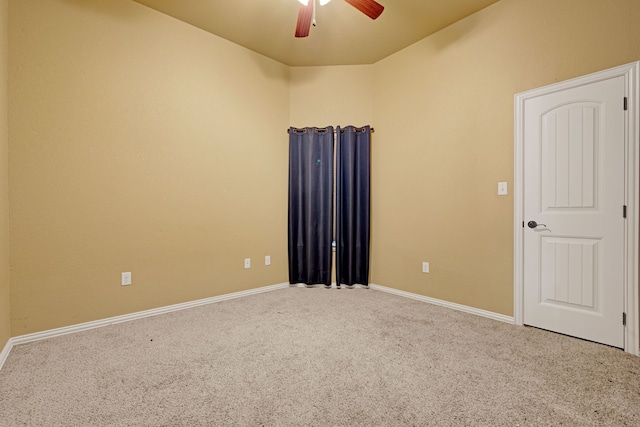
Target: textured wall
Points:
(334, 95)
(444, 121)
(5, 328)
(142, 144)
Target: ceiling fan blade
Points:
(371, 8)
(305, 15)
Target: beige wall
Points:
(331, 96)
(444, 119)
(5, 329)
(142, 144)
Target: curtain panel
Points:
(353, 205)
(311, 152)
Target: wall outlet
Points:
(425, 267)
(247, 263)
(267, 260)
(126, 278)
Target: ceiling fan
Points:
(306, 14)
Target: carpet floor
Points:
(318, 357)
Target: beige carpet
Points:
(318, 357)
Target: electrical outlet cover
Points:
(425, 267)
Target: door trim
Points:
(631, 302)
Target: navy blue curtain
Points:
(352, 205)
(310, 205)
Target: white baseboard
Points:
(447, 304)
(5, 352)
(23, 339)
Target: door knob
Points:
(533, 224)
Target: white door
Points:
(574, 189)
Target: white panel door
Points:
(574, 178)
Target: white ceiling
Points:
(343, 35)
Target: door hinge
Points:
(624, 319)
(624, 211)
(626, 102)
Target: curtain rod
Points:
(334, 131)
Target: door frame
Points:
(631, 302)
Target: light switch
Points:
(502, 189)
